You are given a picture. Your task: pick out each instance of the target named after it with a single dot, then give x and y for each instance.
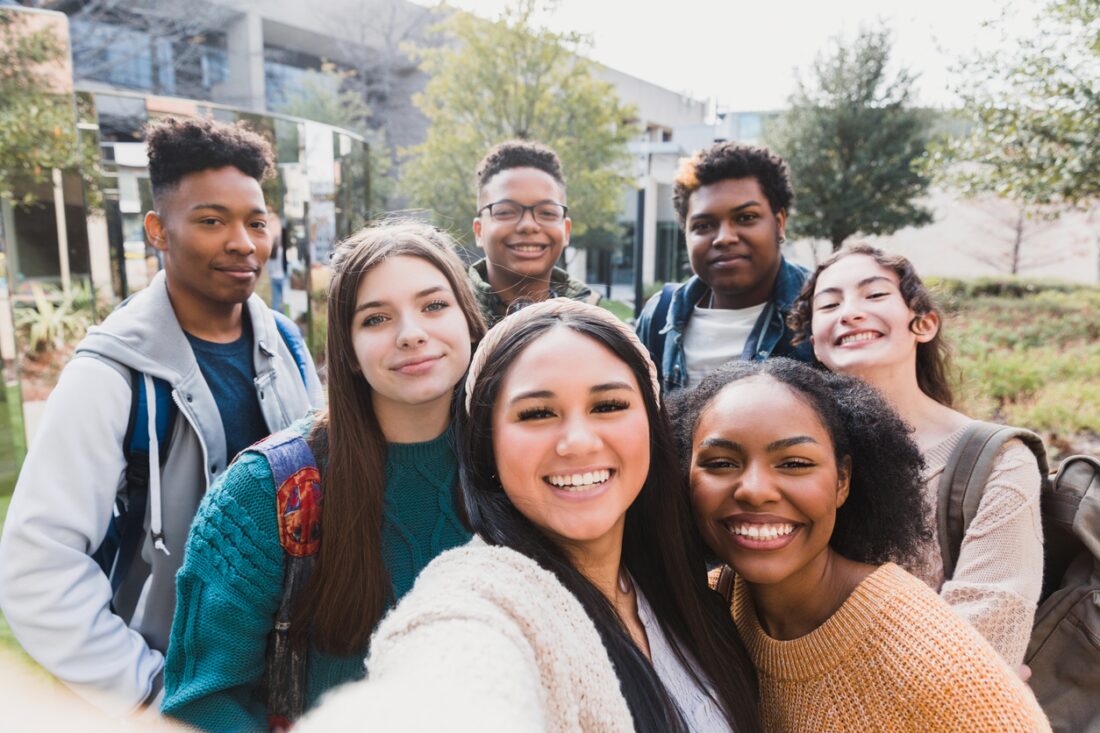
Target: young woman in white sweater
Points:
(582, 604)
(869, 315)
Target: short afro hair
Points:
(885, 518)
(733, 160)
(178, 147)
(519, 154)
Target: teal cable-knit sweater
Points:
(231, 581)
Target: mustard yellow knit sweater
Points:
(894, 657)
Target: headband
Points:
(552, 308)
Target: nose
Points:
(527, 221)
(755, 487)
(411, 334)
(726, 234)
(851, 311)
(578, 437)
(240, 240)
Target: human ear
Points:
(843, 480)
(568, 229)
(477, 231)
(925, 327)
(781, 225)
(154, 230)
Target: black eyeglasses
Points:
(510, 212)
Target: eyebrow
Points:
(860, 284)
(544, 394)
(423, 293)
(225, 209)
(734, 210)
(772, 446)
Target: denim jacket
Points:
(769, 337)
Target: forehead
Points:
(525, 185)
(725, 194)
(399, 278)
(759, 410)
(850, 271)
(229, 187)
(562, 360)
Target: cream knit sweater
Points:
(999, 574)
(893, 658)
(486, 640)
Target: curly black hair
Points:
(934, 367)
(519, 154)
(178, 147)
(725, 160)
(885, 518)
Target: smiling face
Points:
(861, 322)
(764, 481)
(571, 438)
(410, 337)
(527, 248)
(212, 228)
(733, 241)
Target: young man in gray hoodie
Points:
(234, 378)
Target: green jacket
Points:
(561, 286)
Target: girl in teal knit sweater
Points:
(402, 322)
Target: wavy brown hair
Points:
(349, 589)
(933, 357)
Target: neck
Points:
(600, 561)
(405, 423)
(804, 601)
(745, 299)
(931, 421)
(217, 322)
(510, 287)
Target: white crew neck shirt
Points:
(715, 336)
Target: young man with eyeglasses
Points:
(523, 225)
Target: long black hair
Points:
(661, 549)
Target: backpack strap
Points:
(126, 529)
(656, 334)
(725, 583)
(292, 337)
(965, 477)
(299, 498)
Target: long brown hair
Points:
(349, 589)
(933, 357)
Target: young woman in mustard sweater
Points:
(807, 485)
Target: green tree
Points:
(322, 97)
(851, 138)
(497, 80)
(37, 116)
(1034, 111)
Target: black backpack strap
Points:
(964, 479)
(299, 502)
(656, 337)
(725, 583)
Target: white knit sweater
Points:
(486, 640)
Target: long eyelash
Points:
(618, 404)
(533, 412)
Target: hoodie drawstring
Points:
(155, 522)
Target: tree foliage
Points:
(497, 80)
(1034, 107)
(37, 114)
(851, 137)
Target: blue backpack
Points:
(124, 532)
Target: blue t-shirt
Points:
(230, 374)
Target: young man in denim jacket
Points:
(732, 201)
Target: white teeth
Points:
(862, 336)
(762, 531)
(527, 247)
(579, 481)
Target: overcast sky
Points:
(743, 55)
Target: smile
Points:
(578, 482)
(528, 248)
(761, 535)
(858, 337)
(762, 531)
(413, 367)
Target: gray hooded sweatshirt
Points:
(56, 599)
